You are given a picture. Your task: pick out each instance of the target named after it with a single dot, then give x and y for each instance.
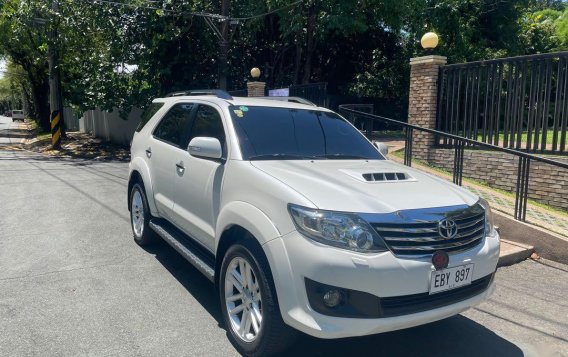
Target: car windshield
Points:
(268, 133)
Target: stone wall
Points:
(256, 89)
(423, 101)
(548, 184)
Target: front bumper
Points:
(293, 258)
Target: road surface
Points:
(74, 283)
(12, 132)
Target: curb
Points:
(513, 252)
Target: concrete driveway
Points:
(73, 283)
(12, 132)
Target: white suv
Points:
(301, 223)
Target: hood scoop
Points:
(386, 176)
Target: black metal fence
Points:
(314, 92)
(518, 102)
(239, 93)
(363, 124)
(458, 143)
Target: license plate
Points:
(450, 278)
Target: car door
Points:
(164, 147)
(198, 185)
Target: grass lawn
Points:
(549, 137)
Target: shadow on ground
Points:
(455, 336)
(191, 279)
(15, 133)
(83, 147)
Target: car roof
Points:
(248, 101)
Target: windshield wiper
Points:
(343, 156)
(281, 156)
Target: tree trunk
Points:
(41, 107)
(310, 44)
(298, 61)
(224, 46)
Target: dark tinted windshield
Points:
(282, 133)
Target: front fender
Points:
(138, 164)
(248, 217)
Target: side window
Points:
(207, 123)
(149, 113)
(172, 125)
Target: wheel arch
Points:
(139, 172)
(242, 222)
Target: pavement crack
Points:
(31, 276)
(520, 324)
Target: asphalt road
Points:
(74, 283)
(12, 132)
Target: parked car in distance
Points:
(18, 115)
(303, 224)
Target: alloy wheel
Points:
(243, 299)
(137, 214)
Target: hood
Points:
(375, 186)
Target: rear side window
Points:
(173, 125)
(148, 114)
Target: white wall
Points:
(109, 126)
(71, 120)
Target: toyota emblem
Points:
(447, 228)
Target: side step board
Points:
(189, 250)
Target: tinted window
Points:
(148, 113)
(171, 127)
(272, 133)
(207, 123)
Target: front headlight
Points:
(342, 230)
(489, 227)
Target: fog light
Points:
(332, 298)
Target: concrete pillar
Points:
(256, 89)
(423, 101)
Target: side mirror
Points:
(209, 148)
(383, 148)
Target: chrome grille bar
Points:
(435, 238)
(422, 236)
(437, 246)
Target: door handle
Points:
(180, 166)
(149, 152)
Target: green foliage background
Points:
(119, 56)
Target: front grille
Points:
(411, 304)
(420, 237)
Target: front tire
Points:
(249, 304)
(140, 216)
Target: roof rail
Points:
(219, 93)
(291, 99)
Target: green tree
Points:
(24, 43)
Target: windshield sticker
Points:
(244, 108)
(238, 113)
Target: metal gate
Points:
(518, 102)
(314, 92)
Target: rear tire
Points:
(250, 299)
(140, 216)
